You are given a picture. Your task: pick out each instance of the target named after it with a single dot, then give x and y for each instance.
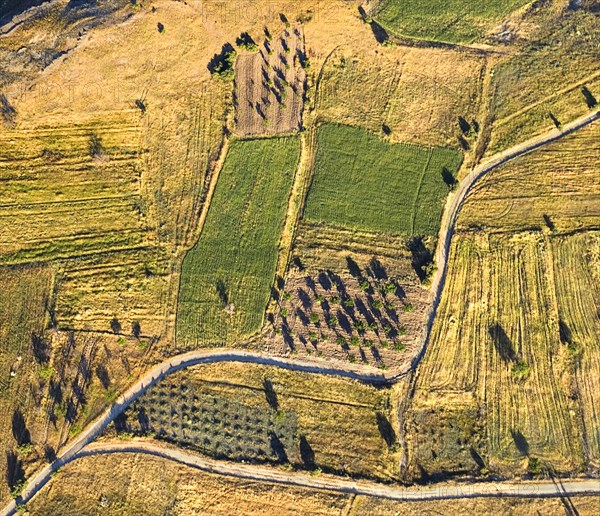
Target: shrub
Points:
(408, 307)
(314, 318)
(333, 321)
(246, 42)
(520, 370)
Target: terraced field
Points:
(74, 190)
(227, 277)
(454, 21)
(362, 182)
(260, 414)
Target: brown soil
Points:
(270, 86)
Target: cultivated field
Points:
(266, 415)
(270, 85)
(351, 296)
(227, 276)
(491, 392)
(556, 188)
(362, 182)
(407, 95)
(453, 21)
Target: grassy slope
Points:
(445, 20)
(365, 183)
(22, 314)
(239, 243)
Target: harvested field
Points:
(362, 182)
(496, 351)
(453, 21)
(582, 505)
(139, 484)
(261, 414)
(556, 188)
(227, 277)
(270, 85)
(577, 276)
(416, 95)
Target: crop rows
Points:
(494, 342)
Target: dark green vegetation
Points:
(226, 277)
(363, 182)
(453, 21)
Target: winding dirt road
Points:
(455, 202)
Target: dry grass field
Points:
(416, 95)
(556, 188)
(267, 415)
(558, 56)
(138, 484)
(270, 85)
(26, 294)
(125, 484)
(512, 366)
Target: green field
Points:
(226, 277)
(454, 21)
(363, 182)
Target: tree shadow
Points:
(115, 325)
(324, 281)
(421, 256)
(102, 375)
(344, 322)
(278, 448)
(566, 337)
(502, 343)
(448, 178)
(220, 61)
(381, 35)
(270, 394)
(7, 110)
(307, 454)
(19, 429)
(520, 442)
(377, 269)
(477, 458)
(353, 267)
(465, 126)
(15, 474)
(386, 430)
(304, 298)
(136, 329)
(222, 292)
(41, 349)
(589, 97)
(548, 221)
(143, 421)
